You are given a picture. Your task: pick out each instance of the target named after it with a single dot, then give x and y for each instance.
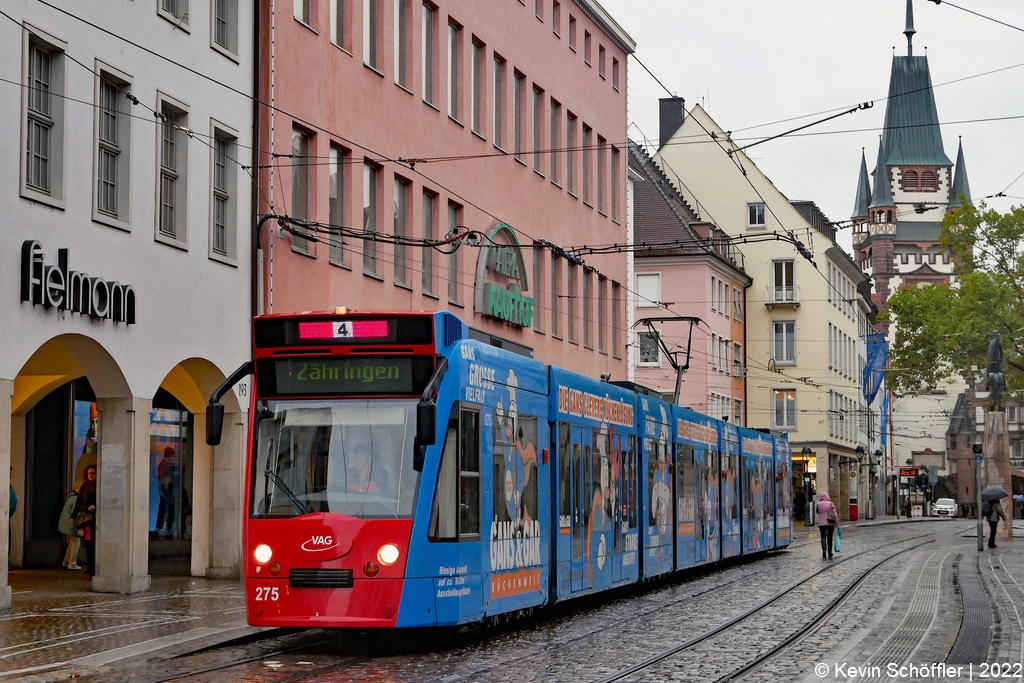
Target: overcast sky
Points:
(750, 63)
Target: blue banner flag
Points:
(884, 424)
(874, 366)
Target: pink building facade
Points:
(686, 268)
(390, 125)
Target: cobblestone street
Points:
(898, 595)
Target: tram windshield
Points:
(352, 457)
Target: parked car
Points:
(944, 507)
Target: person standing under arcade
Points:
(84, 516)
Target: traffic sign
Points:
(977, 460)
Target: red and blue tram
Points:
(402, 474)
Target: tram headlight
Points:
(388, 554)
(262, 553)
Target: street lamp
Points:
(878, 479)
(808, 506)
(859, 452)
(976, 447)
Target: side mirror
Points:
(214, 423)
(426, 423)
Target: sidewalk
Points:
(56, 622)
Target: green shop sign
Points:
(501, 279)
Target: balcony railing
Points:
(782, 296)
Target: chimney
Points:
(670, 117)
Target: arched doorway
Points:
(172, 427)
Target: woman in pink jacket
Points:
(828, 520)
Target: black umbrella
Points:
(994, 493)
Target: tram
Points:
(401, 474)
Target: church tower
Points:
(896, 226)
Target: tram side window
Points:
(631, 489)
(702, 490)
(515, 467)
(442, 513)
(604, 481)
(684, 483)
(469, 474)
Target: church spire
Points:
(882, 197)
(909, 30)
(863, 200)
(960, 185)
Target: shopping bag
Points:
(837, 543)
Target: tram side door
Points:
(581, 477)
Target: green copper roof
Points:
(863, 199)
(960, 184)
(882, 196)
(917, 231)
(911, 136)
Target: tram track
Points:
(810, 626)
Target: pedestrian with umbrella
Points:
(992, 510)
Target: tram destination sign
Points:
(385, 375)
(70, 290)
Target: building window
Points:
(1018, 453)
(714, 351)
(225, 24)
(429, 31)
(401, 229)
(453, 71)
(737, 360)
(301, 9)
(538, 99)
(454, 212)
(222, 219)
(648, 352)
(572, 33)
(538, 9)
(910, 180)
(570, 152)
(928, 183)
(113, 134)
(615, 185)
(336, 205)
(370, 32)
(571, 308)
(401, 40)
(615, 73)
(429, 218)
(600, 60)
(539, 256)
(616, 306)
(784, 341)
(714, 294)
(556, 118)
(1011, 414)
(370, 218)
(499, 102)
(176, 11)
(737, 305)
(784, 408)
(586, 309)
(602, 295)
(738, 413)
(755, 215)
(339, 23)
(556, 293)
(300, 186)
(783, 285)
(42, 170)
(477, 85)
(586, 47)
(517, 116)
(587, 141)
(648, 290)
(556, 17)
(172, 212)
(602, 153)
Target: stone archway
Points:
(59, 362)
(216, 474)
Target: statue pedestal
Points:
(996, 472)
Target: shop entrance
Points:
(61, 436)
(170, 486)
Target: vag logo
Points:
(318, 543)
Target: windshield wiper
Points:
(302, 507)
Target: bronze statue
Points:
(996, 381)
